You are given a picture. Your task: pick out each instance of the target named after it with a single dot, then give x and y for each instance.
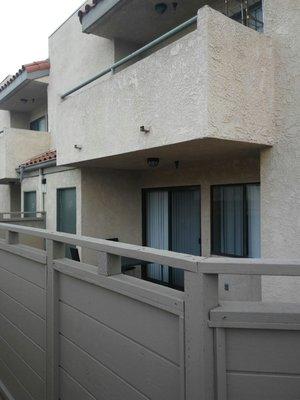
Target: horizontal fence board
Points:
(29, 323)
(26, 293)
(94, 377)
(157, 295)
(70, 389)
(263, 387)
(29, 351)
(25, 251)
(29, 379)
(151, 327)
(143, 369)
(11, 384)
(30, 270)
(263, 351)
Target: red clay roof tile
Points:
(32, 67)
(87, 9)
(41, 158)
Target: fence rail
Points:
(16, 215)
(102, 334)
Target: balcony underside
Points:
(200, 150)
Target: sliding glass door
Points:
(171, 222)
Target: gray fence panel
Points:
(93, 376)
(145, 370)
(24, 292)
(32, 354)
(22, 371)
(262, 387)
(12, 386)
(26, 268)
(70, 389)
(276, 352)
(151, 327)
(31, 324)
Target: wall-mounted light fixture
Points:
(152, 162)
(77, 146)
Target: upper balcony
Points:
(17, 145)
(208, 92)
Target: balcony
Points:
(208, 92)
(16, 146)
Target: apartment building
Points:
(169, 124)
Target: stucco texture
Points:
(192, 88)
(280, 166)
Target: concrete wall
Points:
(280, 166)
(203, 85)
(4, 119)
(4, 198)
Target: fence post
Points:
(54, 250)
(109, 264)
(12, 237)
(201, 295)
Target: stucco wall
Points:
(74, 57)
(4, 119)
(280, 166)
(4, 198)
(193, 88)
(17, 146)
(112, 204)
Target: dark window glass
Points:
(236, 220)
(39, 124)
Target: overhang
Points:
(27, 89)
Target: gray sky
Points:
(25, 27)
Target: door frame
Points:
(169, 189)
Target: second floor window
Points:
(236, 220)
(39, 124)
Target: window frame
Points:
(36, 120)
(245, 220)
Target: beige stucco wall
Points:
(112, 204)
(17, 146)
(280, 166)
(191, 89)
(4, 198)
(74, 57)
(56, 179)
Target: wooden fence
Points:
(73, 331)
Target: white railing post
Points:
(12, 237)
(201, 295)
(109, 264)
(54, 250)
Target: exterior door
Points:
(171, 222)
(66, 212)
(30, 204)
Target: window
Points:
(252, 18)
(39, 124)
(171, 221)
(66, 213)
(30, 204)
(236, 220)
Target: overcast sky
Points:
(25, 27)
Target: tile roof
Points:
(32, 67)
(87, 8)
(41, 158)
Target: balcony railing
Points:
(21, 215)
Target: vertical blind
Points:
(236, 220)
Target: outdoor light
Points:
(152, 162)
(160, 8)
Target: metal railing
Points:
(24, 215)
(133, 55)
